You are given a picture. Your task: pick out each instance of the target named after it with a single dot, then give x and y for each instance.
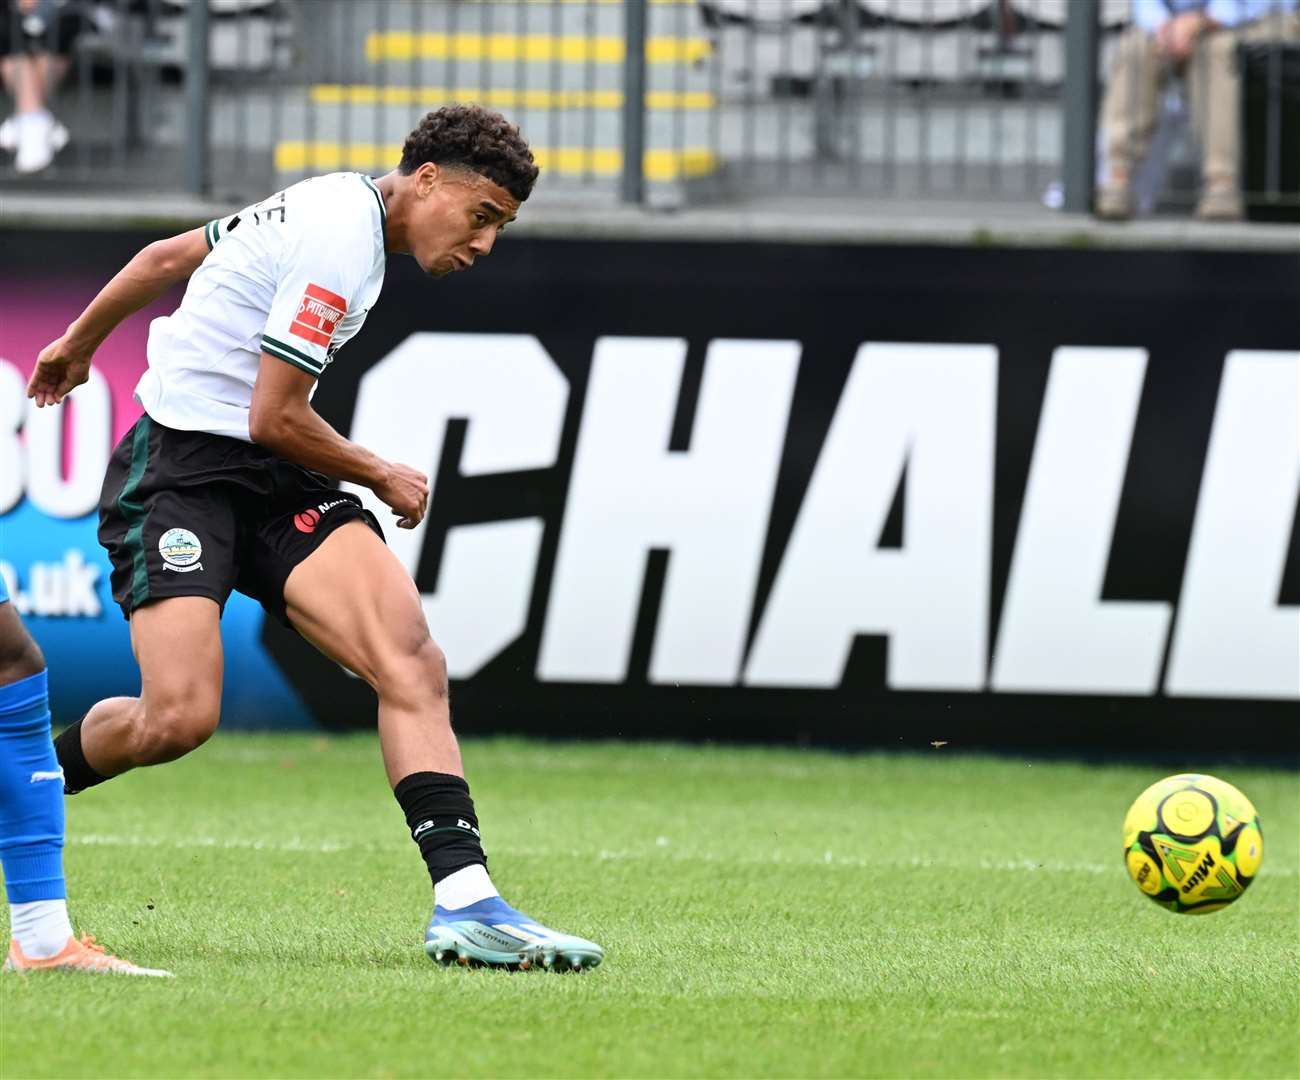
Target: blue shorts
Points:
(4, 592)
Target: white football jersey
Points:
(293, 276)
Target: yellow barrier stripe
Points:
(665, 99)
(564, 161)
(432, 96)
(405, 45)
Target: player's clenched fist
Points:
(406, 490)
(60, 367)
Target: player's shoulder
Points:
(351, 197)
(337, 210)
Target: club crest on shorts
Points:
(180, 550)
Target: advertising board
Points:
(843, 495)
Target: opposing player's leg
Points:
(31, 818)
(177, 643)
(354, 601)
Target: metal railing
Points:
(920, 98)
(146, 103)
(925, 99)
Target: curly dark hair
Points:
(474, 138)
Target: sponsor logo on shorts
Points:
(42, 775)
(307, 520)
(181, 551)
(319, 314)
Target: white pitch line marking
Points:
(297, 845)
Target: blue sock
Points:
(31, 795)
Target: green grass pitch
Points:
(765, 913)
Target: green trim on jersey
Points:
(290, 360)
(212, 232)
(287, 352)
(383, 214)
(134, 511)
(295, 352)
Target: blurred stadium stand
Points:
(918, 100)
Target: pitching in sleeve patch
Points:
(319, 314)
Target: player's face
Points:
(457, 216)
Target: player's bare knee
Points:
(20, 656)
(170, 731)
(424, 670)
(433, 664)
(21, 662)
(412, 670)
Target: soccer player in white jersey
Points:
(227, 482)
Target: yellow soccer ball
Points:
(1192, 843)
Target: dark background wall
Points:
(1188, 310)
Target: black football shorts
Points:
(186, 513)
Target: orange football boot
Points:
(79, 954)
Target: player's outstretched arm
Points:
(281, 419)
(65, 363)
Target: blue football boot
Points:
(492, 932)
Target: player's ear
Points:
(426, 178)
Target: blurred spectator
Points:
(36, 37)
(1198, 39)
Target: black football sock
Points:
(77, 774)
(440, 815)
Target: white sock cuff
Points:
(41, 927)
(466, 886)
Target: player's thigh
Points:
(353, 599)
(168, 517)
(177, 644)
